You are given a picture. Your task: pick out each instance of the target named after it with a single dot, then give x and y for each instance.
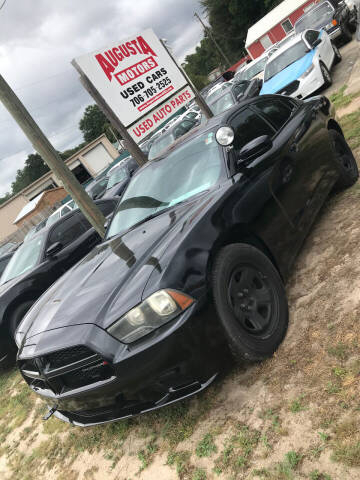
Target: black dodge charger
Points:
(197, 252)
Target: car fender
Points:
(185, 261)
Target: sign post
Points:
(51, 156)
(137, 84)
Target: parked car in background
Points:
(333, 16)
(204, 222)
(38, 263)
(176, 131)
(119, 179)
(239, 91)
(217, 91)
(255, 69)
(302, 66)
(60, 212)
(6, 252)
(97, 187)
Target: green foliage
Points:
(94, 123)
(34, 168)
(229, 22)
(206, 446)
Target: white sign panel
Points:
(134, 76)
(155, 118)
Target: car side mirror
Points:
(256, 147)
(54, 249)
(316, 43)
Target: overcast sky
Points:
(38, 40)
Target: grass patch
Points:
(316, 475)
(339, 351)
(206, 447)
(296, 405)
(181, 462)
(351, 128)
(237, 451)
(146, 455)
(340, 99)
(199, 474)
(347, 453)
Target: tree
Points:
(94, 123)
(229, 22)
(34, 168)
(5, 197)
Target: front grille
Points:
(65, 357)
(66, 370)
(289, 89)
(87, 376)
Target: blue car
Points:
(301, 66)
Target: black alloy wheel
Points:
(326, 75)
(250, 300)
(338, 56)
(345, 161)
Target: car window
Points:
(223, 103)
(321, 15)
(160, 145)
(254, 69)
(65, 210)
(67, 231)
(287, 57)
(192, 168)
(3, 263)
(247, 126)
(276, 111)
(311, 36)
(24, 259)
(183, 128)
(118, 175)
(240, 88)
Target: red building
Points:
(275, 25)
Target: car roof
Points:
(46, 228)
(315, 7)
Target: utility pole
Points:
(48, 153)
(208, 31)
(204, 107)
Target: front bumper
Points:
(175, 362)
(334, 33)
(310, 84)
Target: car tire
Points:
(17, 315)
(345, 161)
(251, 302)
(346, 35)
(338, 56)
(326, 75)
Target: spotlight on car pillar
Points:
(225, 136)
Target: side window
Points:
(311, 36)
(107, 208)
(276, 111)
(184, 127)
(247, 126)
(65, 210)
(67, 231)
(3, 264)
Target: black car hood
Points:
(110, 280)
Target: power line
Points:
(42, 80)
(3, 4)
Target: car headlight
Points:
(307, 72)
(152, 313)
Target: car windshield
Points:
(118, 175)
(254, 69)
(286, 58)
(320, 16)
(192, 168)
(24, 259)
(5, 248)
(218, 92)
(222, 104)
(161, 145)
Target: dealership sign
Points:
(138, 80)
